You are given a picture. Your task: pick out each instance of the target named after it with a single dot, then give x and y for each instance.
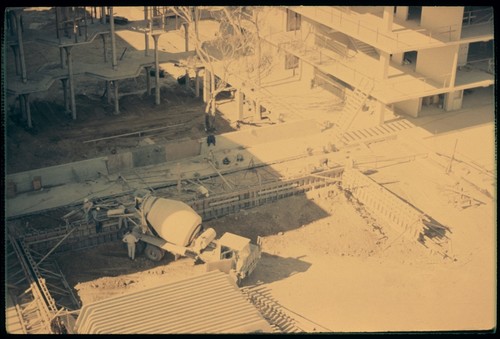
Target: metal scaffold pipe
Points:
(113, 42)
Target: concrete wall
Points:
(411, 107)
(438, 18)
(59, 175)
(153, 155)
(437, 63)
(401, 12)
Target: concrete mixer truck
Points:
(172, 226)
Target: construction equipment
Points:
(166, 225)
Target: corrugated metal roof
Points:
(208, 303)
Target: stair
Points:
(362, 47)
(355, 101)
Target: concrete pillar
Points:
(186, 36)
(398, 58)
(58, 19)
(61, 57)
(71, 81)
(105, 52)
(454, 68)
(146, 34)
(108, 91)
(157, 70)
(117, 98)
(24, 78)
(212, 90)
(187, 84)
(402, 12)
(65, 94)
(380, 107)
(206, 85)
(239, 104)
(388, 18)
(197, 83)
(453, 100)
(256, 107)
(383, 64)
(103, 15)
(28, 109)
(22, 106)
(148, 79)
(113, 42)
(16, 59)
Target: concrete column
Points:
(58, 19)
(212, 90)
(113, 42)
(105, 52)
(388, 18)
(381, 112)
(148, 80)
(146, 35)
(117, 98)
(453, 100)
(61, 57)
(186, 36)
(398, 58)
(256, 107)
(22, 106)
(187, 84)
(65, 94)
(239, 104)
(383, 64)
(103, 15)
(454, 68)
(206, 85)
(16, 59)
(71, 81)
(108, 91)
(157, 70)
(402, 12)
(28, 109)
(197, 84)
(24, 78)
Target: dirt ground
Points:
(106, 271)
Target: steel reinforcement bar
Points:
(84, 235)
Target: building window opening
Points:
(293, 21)
(291, 62)
(415, 13)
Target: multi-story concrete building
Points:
(410, 60)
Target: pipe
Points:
(113, 42)
(21, 48)
(71, 81)
(157, 70)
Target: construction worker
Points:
(87, 206)
(131, 240)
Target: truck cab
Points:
(233, 254)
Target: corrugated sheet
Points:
(208, 303)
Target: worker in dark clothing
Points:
(211, 139)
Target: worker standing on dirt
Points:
(131, 240)
(87, 206)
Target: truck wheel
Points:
(153, 253)
(140, 246)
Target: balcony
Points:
(405, 35)
(355, 68)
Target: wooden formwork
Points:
(388, 208)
